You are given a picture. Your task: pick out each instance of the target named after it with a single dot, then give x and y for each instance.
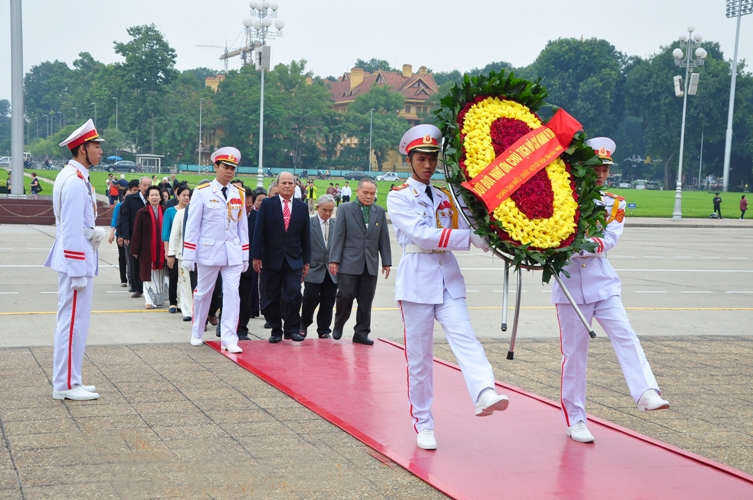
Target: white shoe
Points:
(195, 341)
(650, 400)
(78, 393)
(426, 440)
(232, 348)
(89, 388)
(489, 402)
(579, 432)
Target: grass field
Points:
(695, 204)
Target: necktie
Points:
(286, 213)
(429, 193)
(224, 192)
(326, 231)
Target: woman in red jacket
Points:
(743, 207)
(146, 244)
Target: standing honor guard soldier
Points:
(216, 241)
(430, 286)
(596, 288)
(74, 257)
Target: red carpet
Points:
(520, 453)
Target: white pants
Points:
(611, 315)
(71, 330)
(418, 321)
(231, 276)
(185, 293)
(155, 291)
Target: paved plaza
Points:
(184, 422)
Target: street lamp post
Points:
(257, 27)
(687, 42)
(116, 113)
(738, 9)
(60, 120)
(201, 100)
(95, 113)
(371, 127)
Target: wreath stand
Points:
(457, 198)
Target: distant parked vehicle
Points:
(356, 176)
(122, 166)
(388, 177)
(5, 160)
(624, 185)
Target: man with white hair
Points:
(320, 284)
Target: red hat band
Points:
(91, 135)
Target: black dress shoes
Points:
(325, 336)
(275, 339)
(243, 336)
(136, 295)
(337, 333)
(267, 326)
(297, 337)
(357, 339)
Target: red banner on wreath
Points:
(521, 161)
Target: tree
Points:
(388, 126)
(148, 70)
(373, 65)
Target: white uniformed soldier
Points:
(596, 288)
(216, 240)
(74, 257)
(430, 286)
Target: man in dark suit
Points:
(132, 204)
(360, 234)
(281, 252)
(321, 286)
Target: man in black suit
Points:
(281, 252)
(361, 235)
(321, 286)
(132, 204)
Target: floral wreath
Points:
(553, 213)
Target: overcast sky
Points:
(331, 35)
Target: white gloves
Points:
(189, 265)
(98, 236)
(245, 266)
(480, 242)
(78, 283)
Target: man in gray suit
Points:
(361, 232)
(321, 286)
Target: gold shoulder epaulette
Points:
(615, 196)
(202, 186)
(398, 188)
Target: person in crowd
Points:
(36, 188)
(245, 288)
(320, 285)
(216, 241)
(131, 205)
(174, 183)
(361, 237)
(113, 191)
(596, 288)
(184, 288)
(430, 286)
(718, 205)
(122, 187)
(331, 190)
(166, 187)
(257, 295)
(75, 257)
(281, 253)
(273, 189)
(311, 196)
(122, 267)
(133, 188)
(299, 192)
(346, 192)
(337, 194)
(743, 207)
(147, 246)
(167, 226)
(165, 196)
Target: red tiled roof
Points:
(407, 86)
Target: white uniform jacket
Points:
(73, 202)
(592, 277)
(438, 226)
(217, 229)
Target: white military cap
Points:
(84, 133)
(424, 138)
(227, 155)
(604, 148)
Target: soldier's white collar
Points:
(80, 168)
(417, 187)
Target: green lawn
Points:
(695, 204)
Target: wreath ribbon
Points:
(524, 159)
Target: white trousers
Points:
(611, 315)
(155, 291)
(202, 297)
(418, 321)
(71, 330)
(185, 293)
